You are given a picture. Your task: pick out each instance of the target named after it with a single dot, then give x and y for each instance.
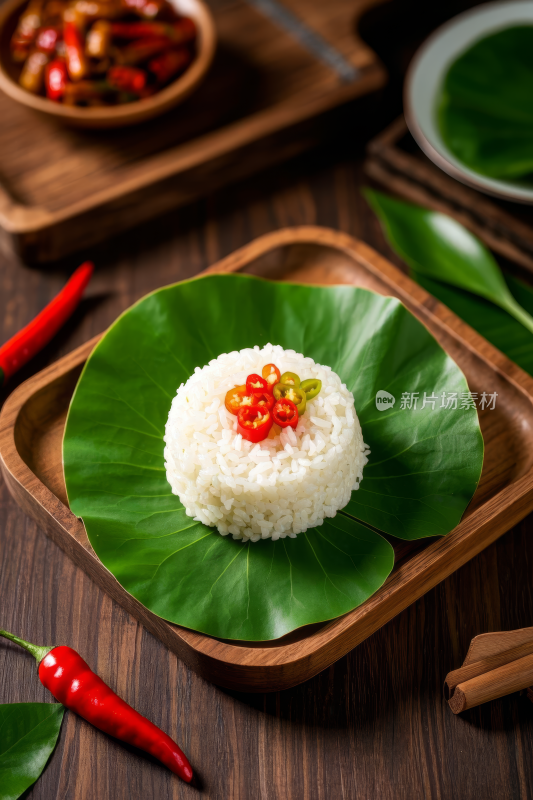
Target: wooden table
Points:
(375, 724)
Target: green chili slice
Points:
(290, 377)
(311, 387)
(293, 393)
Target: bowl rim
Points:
(137, 111)
(488, 17)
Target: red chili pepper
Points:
(71, 681)
(20, 48)
(271, 374)
(181, 32)
(76, 61)
(47, 39)
(237, 397)
(126, 79)
(55, 79)
(254, 423)
(285, 414)
(255, 384)
(266, 400)
(167, 65)
(142, 49)
(27, 342)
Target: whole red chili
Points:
(167, 65)
(181, 32)
(70, 679)
(47, 39)
(140, 50)
(76, 61)
(127, 79)
(55, 79)
(27, 342)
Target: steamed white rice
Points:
(279, 487)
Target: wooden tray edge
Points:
(262, 669)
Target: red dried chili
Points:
(167, 65)
(127, 79)
(71, 681)
(254, 423)
(55, 79)
(140, 50)
(181, 32)
(47, 39)
(76, 61)
(27, 342)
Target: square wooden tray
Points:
(263, 100)
(31, 430)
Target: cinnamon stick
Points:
(511, 677)
(476, 668)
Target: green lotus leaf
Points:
(456, 267)
(28, 736)
(424, 467)
(485, 111)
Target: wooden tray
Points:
(396, 161)
(63, 189)
(31, 428)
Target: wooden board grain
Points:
(63, 189)
(32, 421)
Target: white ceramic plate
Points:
(425, 78)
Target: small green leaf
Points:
(439, 247)
(28, 735)
(423, 470)
(485, 111)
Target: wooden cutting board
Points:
(263, 100)
(31, 429)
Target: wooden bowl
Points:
(111, 116)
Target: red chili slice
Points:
(254, 423)
(271, 374)
(255, 384)
(265, 400)
(285, 413)
(238, 397)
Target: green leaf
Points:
(485, 110)
(491, 322)
(423, 469)
(28, 735)
(439, 247)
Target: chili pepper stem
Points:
(37, 652)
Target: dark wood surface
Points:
(375, 724)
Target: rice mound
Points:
(279, 487)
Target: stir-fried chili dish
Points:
(270, 398)
(101, 52)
